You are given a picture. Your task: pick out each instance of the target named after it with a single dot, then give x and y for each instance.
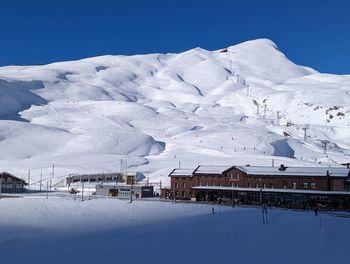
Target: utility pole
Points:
(53, 170)
(305, 128)
(278, 118)
(28, 178)
(0, 187)
(121, 166)
(41, 179)
(82, 190)
(160, 185)
(131, 190)
(47, 190)
(179, 164)
(50, 185)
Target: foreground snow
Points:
(36, 230)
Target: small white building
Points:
(124, 190)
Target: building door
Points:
(113, 193)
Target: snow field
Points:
(36, 230)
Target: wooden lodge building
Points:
(10, 183)
(299, 187)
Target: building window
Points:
(231, 175)
(206, 183)
(264, 186)
(305, 185)
(183, 194)
(237, 175)
(313, 185)
(257, 185)
(285, 185)
(219, 183)
(212, 184)
(176, 185)
(294, 184)
(248, 184)
(184, 185)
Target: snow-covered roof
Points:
(296, 171)
(211, 169)
(119, 184)
(7, 174)
(181, 172)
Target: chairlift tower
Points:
(278, 118)
(324, 145)
(305, 128)
(228, 53)
(265, 109)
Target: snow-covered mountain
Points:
(159, 110)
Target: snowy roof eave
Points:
(212, 169)
(296, 171)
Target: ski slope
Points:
(161, 110)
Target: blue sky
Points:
(312, 33)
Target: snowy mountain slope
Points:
(199, 106)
